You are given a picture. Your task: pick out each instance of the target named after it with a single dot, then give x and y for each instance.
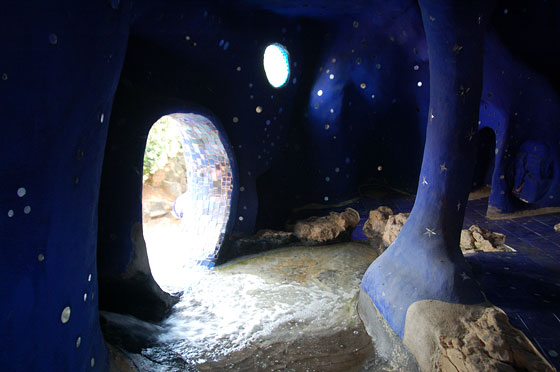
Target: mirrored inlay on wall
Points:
(186, 196)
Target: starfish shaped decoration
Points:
(424, 182)
(442, 168)
(429, 232)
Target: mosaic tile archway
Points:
(206, 204)
(190, 236)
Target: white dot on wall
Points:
(11, 213)
(379, 168)
(240, 218)
(258, 109)
(85, 297)
(65, 315)
(319, 92)
(332, 111)
(92, 362)
(416, 67)
(235, 119)
(238, 68)
(337, 170)
(4, 76)
(242, 188)
(21, 192)
(331, 76)
(78, 342)
(41, 257)
(363, 85)
(327, 178)
(27, 209)
(326, 198)
(419, 83)
(496, 151)
(327, 126)
(373, 96)
(102, 117)
(89, 278)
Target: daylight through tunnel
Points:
(186, 196)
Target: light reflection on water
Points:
(275, 297)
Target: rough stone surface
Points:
(393, 227)
(332, 228)
(479, 239)
(375, 224)
(455, 338)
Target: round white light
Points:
(276, 65)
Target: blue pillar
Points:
(425, 261)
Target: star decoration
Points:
(429, 232)
(457, 48)
(471, 134)
(442, 168)
(463, 92)
(465, 276)
(424, 182)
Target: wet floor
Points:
(292, 309)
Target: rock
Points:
(128, 332)
(393, 227)
(375, 224)
(335, 227)
(459, 338)
(156, 209)
(479, 239)
(557, 227)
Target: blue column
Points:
(425, 262)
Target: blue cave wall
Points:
(81, 85)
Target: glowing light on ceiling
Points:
(276, 65)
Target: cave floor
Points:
(525, 283)
(291, 309)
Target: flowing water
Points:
(292, 309)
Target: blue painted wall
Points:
(82, 84)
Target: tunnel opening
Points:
(186, 197)
(485, 158)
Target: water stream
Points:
(292, 309)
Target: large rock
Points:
(450, 337)
(375, 224)
(335, 227)
(479, 239)
(393, 227)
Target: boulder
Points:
(393, 227)
(451, 337)
(335, 227)
(375, 224)
(479, 239)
